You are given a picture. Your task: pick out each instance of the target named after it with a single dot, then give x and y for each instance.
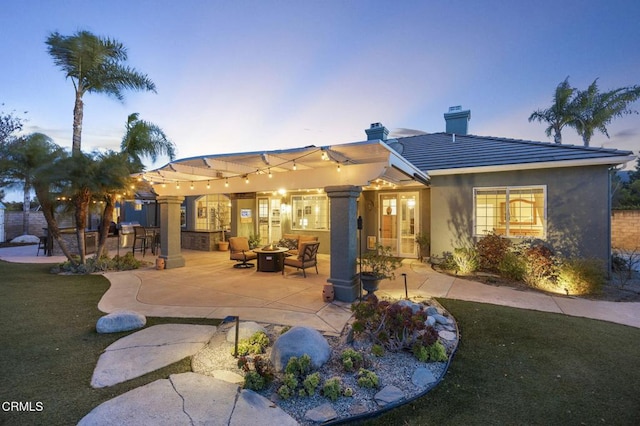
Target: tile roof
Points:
(438, 151)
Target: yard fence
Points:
(625, 229)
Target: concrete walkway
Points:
(209, 287)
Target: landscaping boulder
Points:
(118, 321)
(297, 342)
(26, 239)
(246, 330)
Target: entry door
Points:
(269, 226)
(399, 222)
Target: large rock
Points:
(118, 321)
(246, 330)
(26, 239)
(297, 342)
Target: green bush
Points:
(466, 260)
(377, 350)
(581, 276)
(290, 380)
(332, 388)
(311, 383)
(367, 379)
(285, 392)
(540, 266)
(256, 344)
(348, 392)
(433, 353)
(254, 381)
(512, 266)
(351, 360)
(102, 264)
(298, 366)
(491, 249)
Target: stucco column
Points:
(344, 244)
(170, 233)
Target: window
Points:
(510, 211)
(310, 212)
(213, 212)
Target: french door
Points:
(398, 219)
(269, 221)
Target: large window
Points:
(510, 211)
(310, 212)
(213, 212)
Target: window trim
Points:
(302, 197)
(507, 189)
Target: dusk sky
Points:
(251, 75)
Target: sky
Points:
(236, 76)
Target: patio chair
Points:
(240, 252)
(140, 240)
(307, 257)
(43, 245)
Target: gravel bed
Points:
(392, 369)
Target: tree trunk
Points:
(52, 225)
(107, 218)
(586, 140)
(557, 138)
(26, 206)
(81, 203)
(78, 112)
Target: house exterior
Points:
(452, 186)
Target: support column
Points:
(170, 233)
(344, 241)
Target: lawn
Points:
(512, 367)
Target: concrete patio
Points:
(209, 287)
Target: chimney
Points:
(377, 131)
(457, 120)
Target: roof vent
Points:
(457, 120)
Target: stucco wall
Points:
(625, 229)
(577, 208)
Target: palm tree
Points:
(19, 161)
(560, 113)
(596, 110)
(94, 65)
(145, 139)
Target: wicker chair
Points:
(307, 257)
(240, 252)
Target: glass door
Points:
(269, 226)
(399, 222)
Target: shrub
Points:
(311, 383)
(391, 325)
(351, 359)
(298, 366)
(332, 388)
(261, 375)
(581, 276)
(377, 350)
(256, 344)
(466, 260)
(367, 379)
(348, 392)
(254, 381)
(512, 266)
(491, 249)
(434, 353)
(285, 392)
(540, 266)
(102, 264)
(290, 380)
(448, 263)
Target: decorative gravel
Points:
(395, 369)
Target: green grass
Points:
(49, 346)
(521, 367)
(512, 367)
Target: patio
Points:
(210, 287)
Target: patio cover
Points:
(357, 164)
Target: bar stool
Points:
(42, 245)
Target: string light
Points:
(338, 166)
(270, 175)
(246, 178)
(191, 187)
(208, 185)
(226, 183)
(177, 185)
(294, 165)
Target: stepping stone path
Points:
(187, 399)
(148, 350)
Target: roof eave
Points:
(612, 161)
